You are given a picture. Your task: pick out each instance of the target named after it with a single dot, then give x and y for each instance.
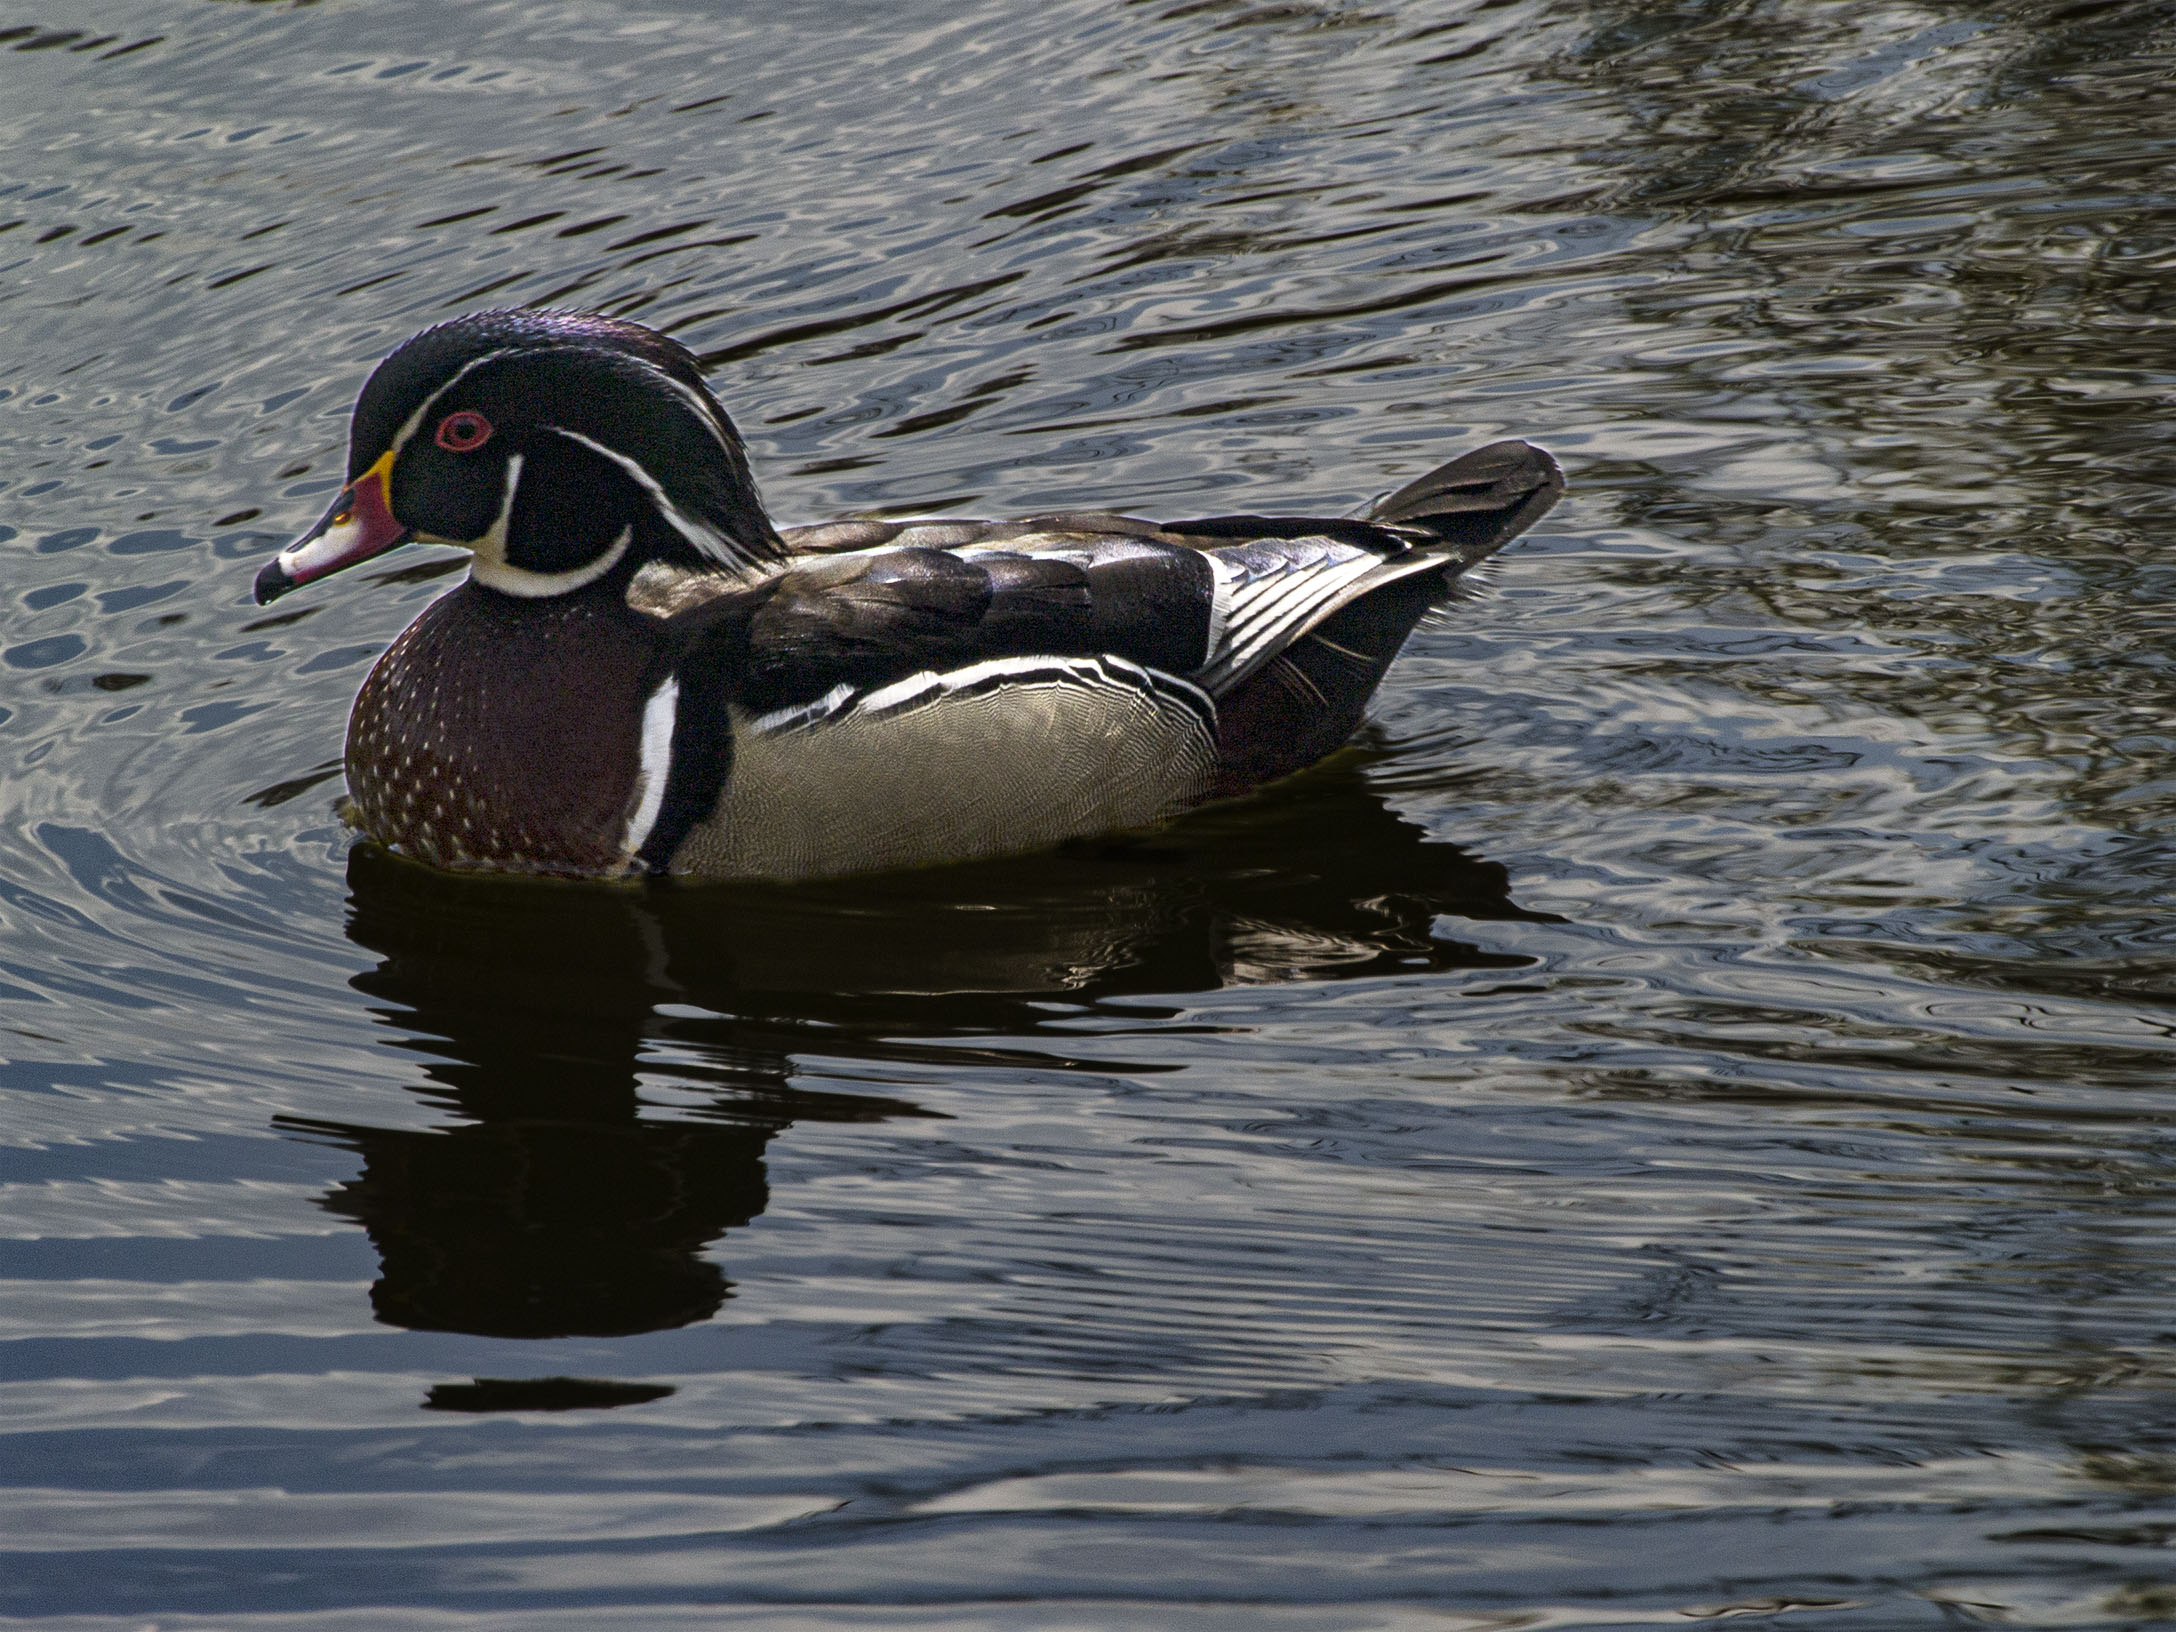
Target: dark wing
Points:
(1286, 623)
(1214, 600)
(871, 618)
(1046, 667)
(1281, 578)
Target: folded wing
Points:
(989, 686)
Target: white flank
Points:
(658, 715)
(993, 758)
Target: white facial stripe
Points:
(506, 504)
(704, 409)
(494, 571)
(708, 541)
(415, 420)
(658, 715)
(492, 546)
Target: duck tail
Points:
(1479, 502)
(1310, 697)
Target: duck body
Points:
(643, 676)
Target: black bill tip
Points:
(272, 582)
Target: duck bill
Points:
(359, 525)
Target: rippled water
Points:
(1677, 1124)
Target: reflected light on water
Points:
(1674, 1126)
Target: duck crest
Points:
(505, 734)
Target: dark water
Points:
(1679, 1123)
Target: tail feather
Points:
(1309, 697)
(1480, 501)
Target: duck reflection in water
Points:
(616, 1058)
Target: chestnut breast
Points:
(505, 733)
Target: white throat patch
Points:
(493, 571)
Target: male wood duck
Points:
(642, 675)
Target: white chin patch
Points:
(332, 549)
(490, 570)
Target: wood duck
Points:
(642, 675)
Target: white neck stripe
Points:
(658, 715)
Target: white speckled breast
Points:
(505, 734)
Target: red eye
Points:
(463, 432)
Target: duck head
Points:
(554, 446)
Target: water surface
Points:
(1676, 1124)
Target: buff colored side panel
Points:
(979, 775)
